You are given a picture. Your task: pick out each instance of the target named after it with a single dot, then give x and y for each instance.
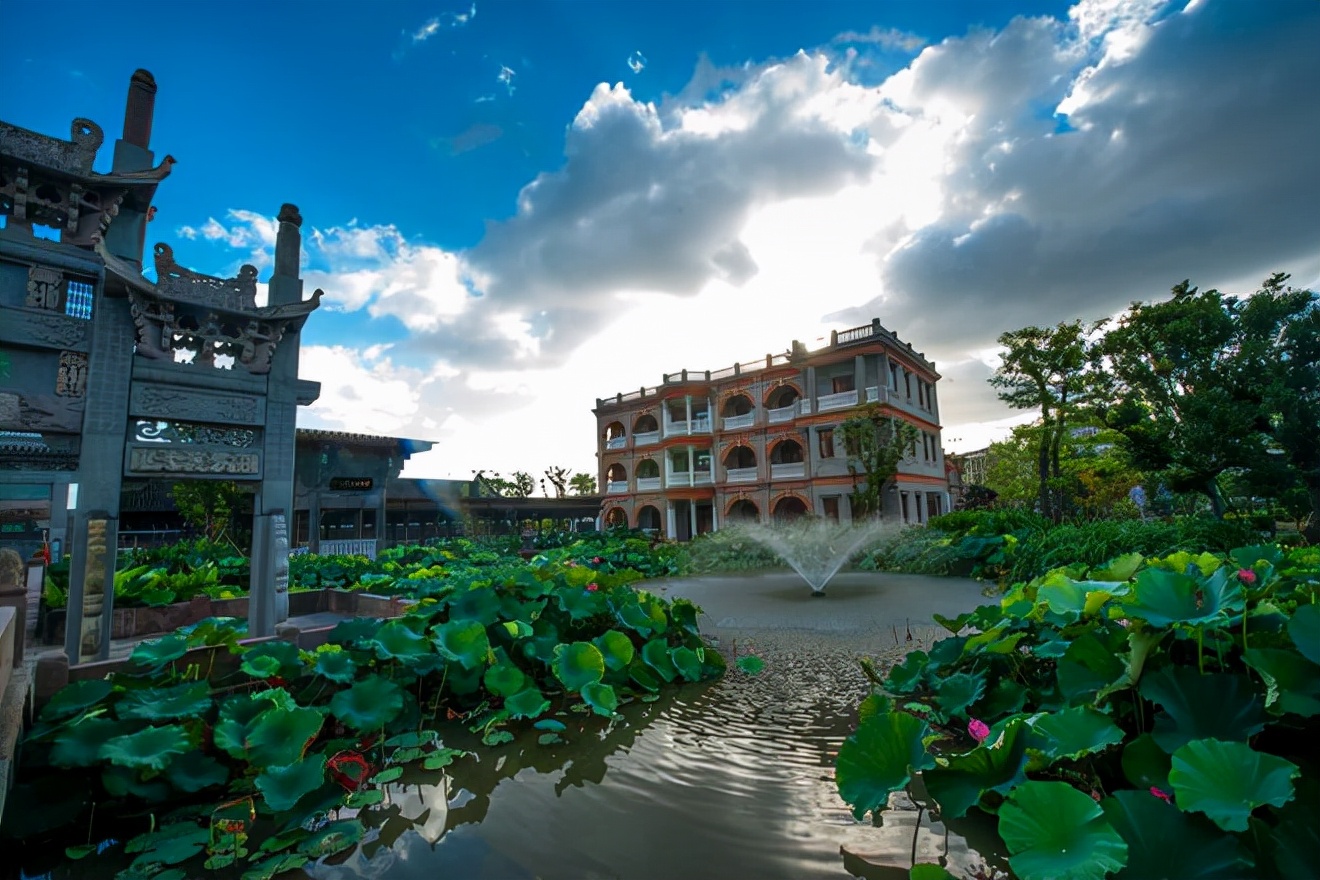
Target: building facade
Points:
(757, 440)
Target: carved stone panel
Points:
(39, 328)
(45, 289)
(189, 404)
(174, 460)
(40, 412)
(75, 155)
(72, 378)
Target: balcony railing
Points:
(687, 478)
(616, 443)
(838, 400)
(788, 471)
(349, 547)
(782, 414)
(616, 487)
(733, 423)
(804, 406)
(699, 425)
(648, 484)
(646, 438)
(741, 475)
(877, 395)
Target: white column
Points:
(692, 518)
(692, 455)
(670, 521)
(687, 399)
(715, 514)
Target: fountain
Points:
(816, 548)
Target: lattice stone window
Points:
(78, 300)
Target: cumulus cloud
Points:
(1049, 169)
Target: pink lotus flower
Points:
(596, 560)
(978, 730)
(591, 588)
(1161, 794)
(1247, 576)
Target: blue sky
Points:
(515, 208)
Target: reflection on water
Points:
(725, 780)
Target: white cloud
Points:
(1046, 170)
(637, 62)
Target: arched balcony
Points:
(648, 475)
(782, 404)
(616, 518)
(648, 519)
(615, 436)
(738, 413)
(740, 465)
(743, 510)
(787, 461)
(789, 508)
(646, 430)
(616, 479)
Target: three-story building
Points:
(757, 440)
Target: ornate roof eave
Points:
(124, 271)
(73, 158)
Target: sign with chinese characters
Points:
(341, 483)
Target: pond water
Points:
(722, 780)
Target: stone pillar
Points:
(859, 377)
(810, 383)
(127, 235)
(671, 521)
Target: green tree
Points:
(558, 478)
(1179, 391)
(875, 443)
(209, 506)
(1278, 354)
(523, 484)
(583, 484)
(1046, 368)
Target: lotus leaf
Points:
(441, 759)
(1304, 628)
(601, 698)
(188, 700)
(930, 871)
(550, 724)
(283, 787)
(337, 666)
(1054, 832)
(1247, 557)
(1227, 780)
(1145, 764)
(616, 648)
(580, 604)
(750, 664)
(79, 745)
(156, 653)
(655, 654)
(464, 641)
(478, 604)
(634, 614)
(1074, 732)
(1162, 597)
(958, 691)
(684, 615)
(1165, 842)
(517, 629)
(1120, 569)
(231, 727)
(275, 866)
(1293, 682)
(504, 679)
(996, 765)
(278, 736)
(389, 774)
(1296, 835)
(73, 698)
(1220, 706)
(367, 797)
(152, 748)
(351, 632)
(642, 675)
(413, 738)
(497, 737)
(396, 640)
(1004, 698)
(1062, 595)
(905, 677)
(368, 705)
(880, 757)
(286, 655)
(578, 664)
(686, 662)
(547, 739)
(144, 784)
(172, 844)
(195, 771)
(1087, 666)
(333, 838)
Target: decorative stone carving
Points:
(149, 400)
(45, 289)
(164, 327)
(74, 156)
(183, 432)
(172, 459)
(239, 294)
(72, 378)
(40, 412)
(59, 330)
